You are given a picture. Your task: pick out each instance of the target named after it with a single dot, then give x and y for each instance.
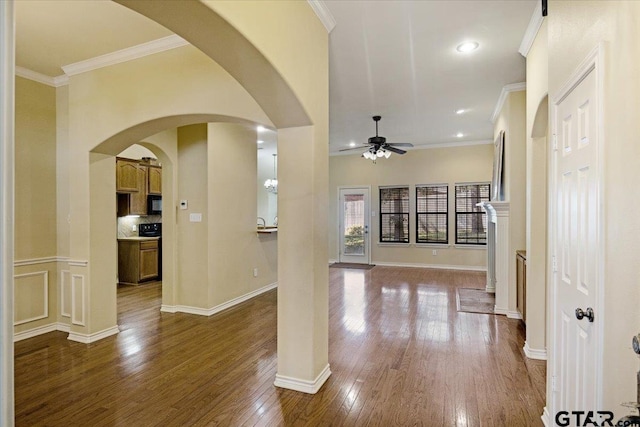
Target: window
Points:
(394, 215)
(432, 213)
(471, 220)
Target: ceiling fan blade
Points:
(355, 148)
(393, 149)
(401, 144)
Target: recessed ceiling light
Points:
(467, 47)
(352, 144)
(261, 128)
(461, 111)
(260, 141)
(459, 134)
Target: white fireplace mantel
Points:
(499, 259)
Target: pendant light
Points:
(271, 185)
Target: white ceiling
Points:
(392, 58)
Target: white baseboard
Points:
(545, 417)
(534, 353)
(30, 333)
(89, 338)
(438, 266)
(498, 310)
(514, 314)
(218, 308)
(305, 386)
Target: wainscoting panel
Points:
(65, 293)
(77, 300)
(31, 299)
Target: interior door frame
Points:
(593, 63)
(367, 188)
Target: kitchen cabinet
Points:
(138, 259)
(135, 203)
(154, 180)
(126, 176)
(521, 283)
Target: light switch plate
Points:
(195, 217)
(183, 204)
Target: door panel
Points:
(354, 225)
(574, 225)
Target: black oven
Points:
(154, 205)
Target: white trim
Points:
(534, 353)
(218, 308)
(515, 87)
(129, 54)
(514, 314)
(78, 263)
(77, 313)
(437, 266)
(64, 310)
(419, 147)
(323, 13)
(45, 291)
(305, 386)
(532, 30)
(545, 417)
(26, 73)
(89, 338)
(432, 245)
(40, 330)
(333, 261)
(7, 204)
(43, 260)
(392, 244)
(498, 310)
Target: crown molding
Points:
(532, 30)
(26, 73)
(323, 13)
(424, 146)
(515, 87)
(124, 55)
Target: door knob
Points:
(588, 313)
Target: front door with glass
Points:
(354, 225)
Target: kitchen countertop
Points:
(138, 239)
(267, 230)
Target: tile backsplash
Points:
(126, 224)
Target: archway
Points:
(535, 346)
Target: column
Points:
(303, 267)
(7, 140)
(503, 258)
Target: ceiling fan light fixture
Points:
(467, 47)
(387, 154)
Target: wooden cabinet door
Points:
(126, 176)
(154, 180)
(138, 201)
(148, 260)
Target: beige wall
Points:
(235, 248)
(429, 166)
(536, 233)
(35, 293)
(574, 30)
(193, 256)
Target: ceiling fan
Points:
(379, 147)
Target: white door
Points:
(354, 225)
(576, 263)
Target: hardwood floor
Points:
(399, 351)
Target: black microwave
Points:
(154, 205)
